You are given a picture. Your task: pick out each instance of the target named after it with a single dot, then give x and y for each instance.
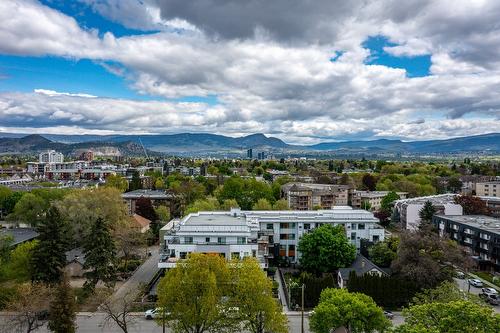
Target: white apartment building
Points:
(50, 156)
(409, 209)
(263, 234)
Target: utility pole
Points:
(302, 320)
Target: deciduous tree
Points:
(456, 317)
(194, 294)
(325, 249)
(472, 205)
(117, 182)
(28, 308)
(258, 310)
(355, 312)
(262, 204)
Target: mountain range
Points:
(199, 144)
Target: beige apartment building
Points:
(488, 189)
(305, 196)
(370, 200)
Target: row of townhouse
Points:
(261, 234)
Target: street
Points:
(464, 285)
(93, 323)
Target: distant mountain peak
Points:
(34, 139)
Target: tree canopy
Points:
(355, 311)
(456, 317)
(325, 249)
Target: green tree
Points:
(427, 212)
(421, 258)
(229, 203)
(5, 246)
(325, 249)
(381, 254)
(369, 182)
(208, 204)
(194, 295)
(117, 182)
(62, 313)
(100, 254)
(163, 213)
(5, 193)
(18, 267)
(135, 182)
(29, 209)
(262, 204)
(446, 292)
(456, 317)
(356, 312)
(49, 256)
(454, 184)
(281, 204)
(258, 310)
(81, 208)
(387, 202)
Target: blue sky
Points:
(300, 73)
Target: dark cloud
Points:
(314, 20)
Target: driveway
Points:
(141, 276)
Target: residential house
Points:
(360, 266)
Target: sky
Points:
(306, 71)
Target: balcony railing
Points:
(177, 241)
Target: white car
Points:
(489, 291)
(476, 283)
(153, 313)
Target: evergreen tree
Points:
(62, 310)
(100, 254)
(427, 212)
(135, 183)
(49, 256)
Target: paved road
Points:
(464, 285)
(93, 323)
(141, 276)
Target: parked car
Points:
(153, 313)
(460, 275)
(389, 314)
(489, 291)
(476, 283)
(493, 299)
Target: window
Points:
(207, 240)
(307, 226)
(287, 225)
(287, 236)
(182, 255)
(353, 236)
(353, 226)
(221, 240)
(242, 240)
(188, 240)
(376, 238)
(361, 226)
(254, 253)
(269, 226)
